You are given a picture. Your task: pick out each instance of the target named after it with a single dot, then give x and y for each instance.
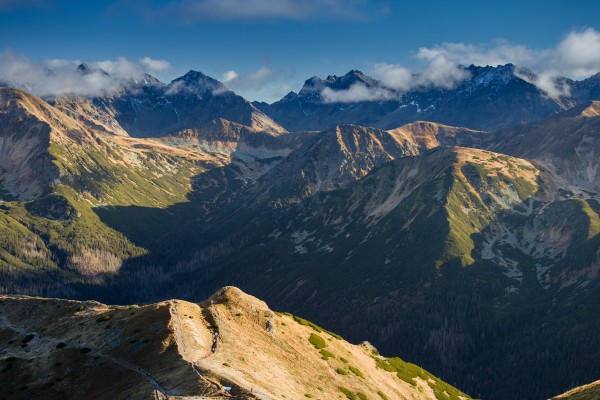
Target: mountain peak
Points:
(489, 75)
(199, 82)
(83, 67)
(351, 78)
(241, 300)
(314, 85)
(194, 75)
(151, 80)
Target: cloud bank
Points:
(191, 11)
(576, 56)
(355, 93)
(57, 77)
(250, 80)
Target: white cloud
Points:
(264, 83)
(576, 56)
(250, 80)
(395, 79)
(56, 77)
(189, 11)
(355, 93)
(496, 53)
(229, 76)
(155, 65)
(393, 76)
(441, 72)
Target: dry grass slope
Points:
(69, 349)
(585, 392)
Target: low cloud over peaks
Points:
(254, 79)
(58, 77)
(576, 56)
(355, 93)
(155, 65)
(441, 72)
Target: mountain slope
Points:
(568, 145)
(55, 169)
(69, 349)
(26, 128)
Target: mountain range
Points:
(456, 228)
(492, 98)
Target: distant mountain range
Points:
(458, 228)
(489, 99)
(492, 98)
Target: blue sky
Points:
(265, 48)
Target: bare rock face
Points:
(226, 347)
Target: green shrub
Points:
(347, 393)
(356, 372)
(341, 371)
(344, 360)
(316, 327)
(382, 395)
(326, 355)
(310, 396)
(362, 396)
(317, 341)
(408, 372)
